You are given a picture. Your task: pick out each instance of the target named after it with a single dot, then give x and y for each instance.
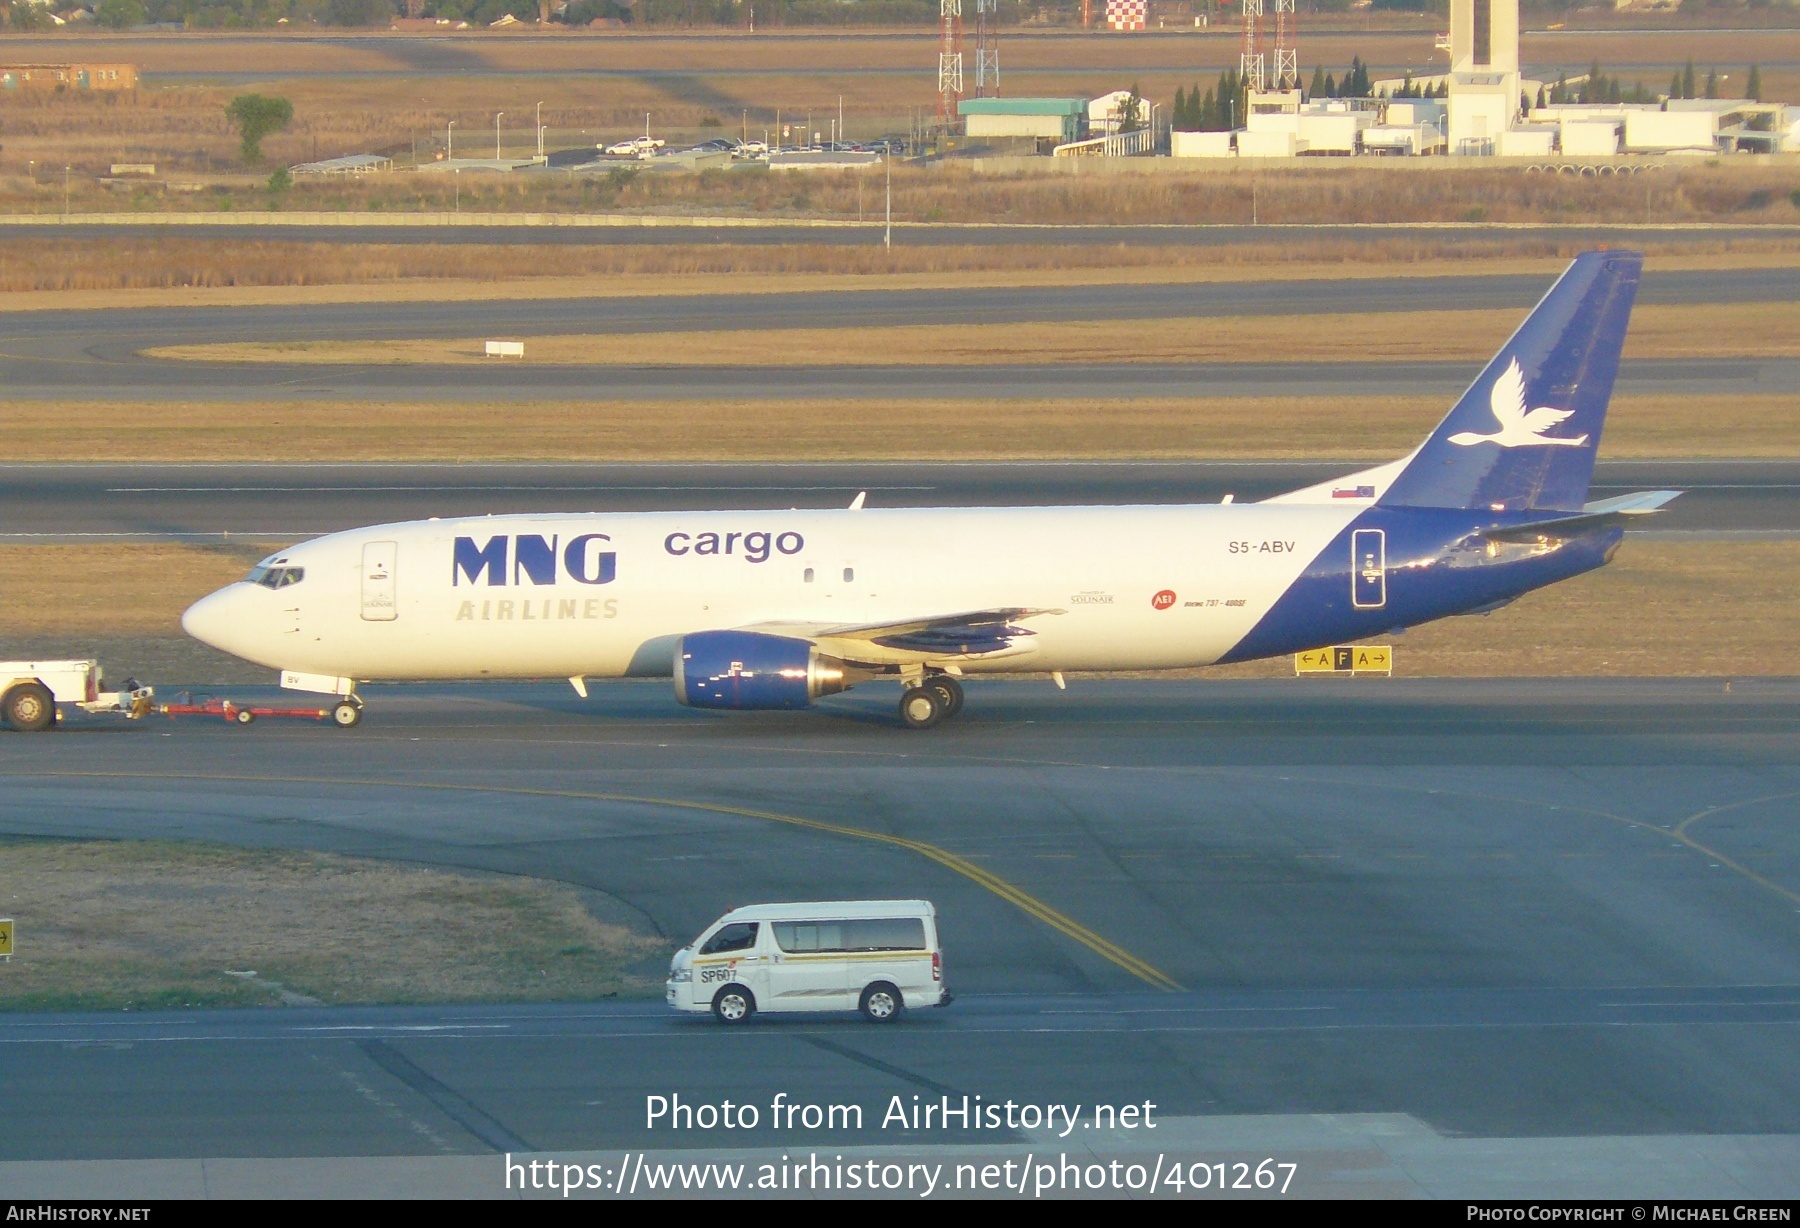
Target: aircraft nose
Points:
(221, 620)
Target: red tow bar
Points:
(238, 714)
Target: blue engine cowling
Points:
(745, 670)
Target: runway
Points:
(1497, 910)
(81, 354)
(75, 503)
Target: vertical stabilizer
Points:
(1524, 436)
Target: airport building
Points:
(1486, 111)
(53, 77)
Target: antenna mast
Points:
(950, 66)
(987, 48)
(1251, 65)
(1287, 47)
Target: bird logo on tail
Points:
(1518, 428)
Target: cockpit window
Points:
(276, 577)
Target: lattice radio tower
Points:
(987, 48)
(1252, 67)
(1287, 47)
(950, 73)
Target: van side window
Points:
(738, 936)
(877, 934)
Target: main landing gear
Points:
(936, 697)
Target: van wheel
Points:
(880, 1002)
(733, 1004)
(29, 708)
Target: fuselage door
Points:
(378, 563)
(1368, 569)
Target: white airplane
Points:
(769, 610)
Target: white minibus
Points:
(875, 956)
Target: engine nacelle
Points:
(744, 670)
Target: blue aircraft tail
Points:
(1524, 436)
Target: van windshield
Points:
(875, 934)
(738, 936)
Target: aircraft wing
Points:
(942, 637)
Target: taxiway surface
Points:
(87, 502)
(1506, 909)
(99, 353)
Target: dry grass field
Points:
(1660, 608)
(1760, 330)
(1159, 193)
(1348, 428)
(62, 590)
(142, 925)
(41, 274)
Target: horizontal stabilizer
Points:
(1643, 503)
(1605, 513)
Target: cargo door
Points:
(378, 601)
(1368, 569)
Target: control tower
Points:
(1484, 73)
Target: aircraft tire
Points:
(949, 691)
(347, 715)
(28, 708)
(244, 716)
(921, 707)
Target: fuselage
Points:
(1111, 588)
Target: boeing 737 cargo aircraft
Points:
(760, 610)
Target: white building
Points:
(1484, 74)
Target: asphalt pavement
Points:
(288, 502)
(98, 353)
(1501, 910)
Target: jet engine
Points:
(745, 670)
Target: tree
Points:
(121, 14)
(1178, 111)
(1753, 86)
(1675, 86)
(1542, 100)
(1131, 111)
(256, 116)
(1687, 80)
(357, 12)
(22, 15)
(1317, 88)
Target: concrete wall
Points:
(1330, 133)
(1589, 139)
(1653, 130)
(1200, 144)
(1016, 125)
(1526, 143)
(1266, 144)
